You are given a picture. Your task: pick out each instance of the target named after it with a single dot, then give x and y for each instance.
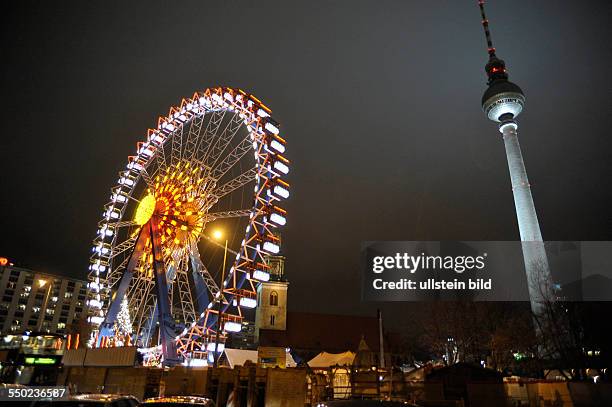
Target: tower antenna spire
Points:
(485, 26)
(495, 68)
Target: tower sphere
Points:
(502, 97)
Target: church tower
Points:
(271, 310)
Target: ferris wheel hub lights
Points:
(231, 326)
(261, 275)
(145, 210)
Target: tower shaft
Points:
(529, 226)
(534, 253)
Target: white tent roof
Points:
(290, 361)
(325, 359)
(238, 357)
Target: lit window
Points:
(61, 325)
(274, 298)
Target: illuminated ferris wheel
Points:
(215, 160)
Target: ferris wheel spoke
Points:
(123, 246)
(220, 245)
(114, 275)
(232, 158)
(212, 128)
(147, 322)
(219, 146)
(147, 178)
(122, 224)
(235, 183)
(184, 291)
(177, 145)
(160, 161)
(144, 305)
(134, 292)
(193, 136)
(209, 217)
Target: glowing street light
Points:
(43, 311)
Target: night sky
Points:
(379, 102)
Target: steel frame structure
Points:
(179, 174)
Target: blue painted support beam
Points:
(202, 299)
(106, 328)
(166, 321)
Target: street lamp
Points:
(41, 283)
(218, 235)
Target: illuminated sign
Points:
(40, 361)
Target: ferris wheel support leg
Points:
(107, 327)
(202, 299)
(166, 321)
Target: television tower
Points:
(503, 101)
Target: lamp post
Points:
(41, 283)
(218, 235)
